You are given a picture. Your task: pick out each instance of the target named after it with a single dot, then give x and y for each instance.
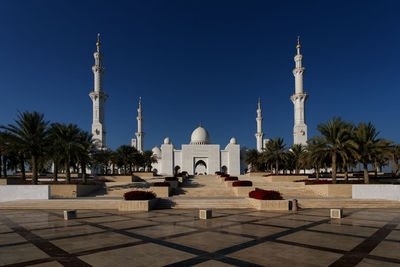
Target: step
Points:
(204, 202)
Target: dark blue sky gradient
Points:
(205, 61)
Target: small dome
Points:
(200, 136)
(156, 151)
(233, 140)
(167, 141)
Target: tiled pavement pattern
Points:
(367, 237)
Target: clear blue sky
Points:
(205, 61)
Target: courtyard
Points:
(173, 237)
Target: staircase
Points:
(203, 203)
(204, 186)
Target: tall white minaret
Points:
(299, 99)
(99, 98)
(139, 134)
(259, 134)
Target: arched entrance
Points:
(200, 168)
(177, 169)
(224, 169)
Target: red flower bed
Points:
(242, 183)
(161, 184)
(168, 179)
(224, 175)
(265, 195)
(231, 178)
(218, 173)
(139, 195)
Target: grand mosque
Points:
(200, 156)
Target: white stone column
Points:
(139, 134)
(259, 134)
(98, 98)
(299, 99)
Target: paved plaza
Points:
(242, 237)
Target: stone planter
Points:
(137, 205)
(242, 191)
(117, 178)
(229, 183)
(269, 204)
(161, 191)
(10, 181)
(71, 190)
(331, 190)
(174, 184)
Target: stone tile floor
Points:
(365, 237)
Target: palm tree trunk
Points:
(366, 175)
(34, 170)
(376, 168)
(297, 169)
(393, 166)
(84, 179)
(346, 171)
(333, 168)
(22, 162)
(4, 167)
(276, 166)
(67, 173)
(55, 171)
(317, 173)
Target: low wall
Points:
(117, 178)
(137, 205)
(242, 191)
(10, 181)
(161, 191)
(71, 190)
(331, 190)
(19, 192)
(256, 174)
(378, 191)
(269, 204)
(285, 178)
(144, 174)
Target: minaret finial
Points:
(298, 45)
(98, 42)
(259, 104)
(200, 124)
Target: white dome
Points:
(156, 151)
(167, 141)
(233, 140)
(200, 136)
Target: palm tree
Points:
(316, 155)
(336, 135)
(69, 141)
(298, 151)
(30, 133)
(367, 145)
(86, 148)
(394, 151)
(275, 151)
(252, 158)
(126, 157)
(149, 158)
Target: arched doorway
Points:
(200, 168)
(224, 169)
(177, 169)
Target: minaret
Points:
(259, 134)
(139, 134)
(299, 99)
(99, 98)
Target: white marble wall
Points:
(376, 191)
(20, 192)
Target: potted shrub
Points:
(242, 183)
(138, 201)
(229, 180)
